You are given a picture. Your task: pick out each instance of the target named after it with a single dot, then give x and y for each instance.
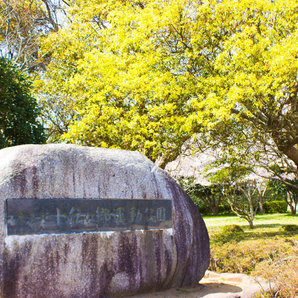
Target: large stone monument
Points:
(80, 222)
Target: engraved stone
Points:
(49, 196)
(47, 216)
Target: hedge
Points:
(275, 207)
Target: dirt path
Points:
(213, 285)
(201, 290)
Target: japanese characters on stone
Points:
(29, 216)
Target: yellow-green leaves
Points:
(148, 75)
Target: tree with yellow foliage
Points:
(150, 75)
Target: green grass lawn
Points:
(267, 223)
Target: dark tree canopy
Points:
(18, 109)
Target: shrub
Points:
(244, 256)
(205, 210)
(290, 228)
(232, 229)
(224, 209)
(281, 272)
(275, 207)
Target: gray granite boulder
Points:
(96, 264)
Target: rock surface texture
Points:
(98, 265)
(250, 285)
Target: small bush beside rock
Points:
(243, 256)
(232, 229)
(280, 270)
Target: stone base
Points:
(250, 285)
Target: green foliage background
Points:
(18, 109)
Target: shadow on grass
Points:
(221, 238)
(267, 226)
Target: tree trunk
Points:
(168, 156)
(214, 210)
(289, 200)
(250, 221)
(261, 209)
(292, 153)
(261, 197)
